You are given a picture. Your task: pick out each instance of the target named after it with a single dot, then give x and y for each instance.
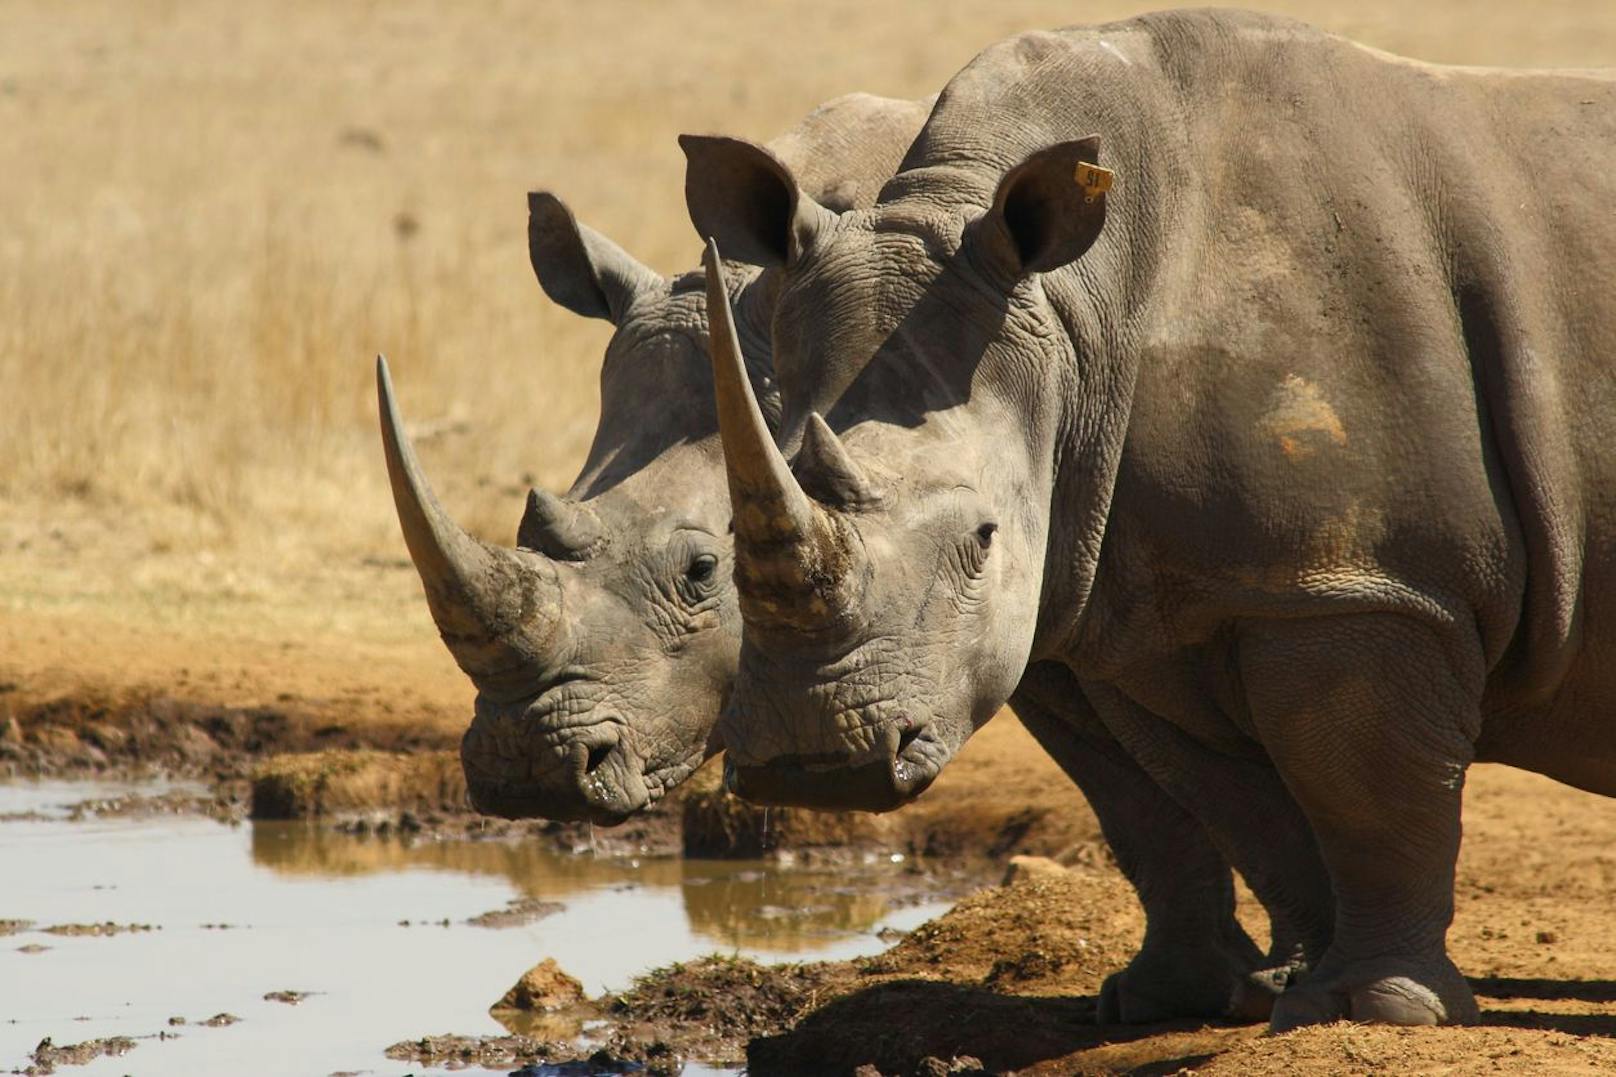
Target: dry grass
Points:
(216, 214)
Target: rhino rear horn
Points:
(828, 472)
(792, 556)
(496, 610)
(558, 528)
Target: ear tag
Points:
(1094, 180)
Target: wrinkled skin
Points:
(1278, 473)
(603, 647)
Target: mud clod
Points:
(47, 1056)
(458, 1052)
(97, 930)
(291, 998)
(711, 1008)
(517, 912)
(543, 987)
(220, 1020)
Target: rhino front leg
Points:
(1371, 720)
(1196, 960)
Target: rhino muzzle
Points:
(591, 776)
(902, 765)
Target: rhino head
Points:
(890, 576)
(603, 645)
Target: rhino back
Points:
(844, 150)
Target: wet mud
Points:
(516, 913)
(47, 1056)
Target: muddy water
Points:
(375, 930)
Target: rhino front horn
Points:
(792, 557)
(497, 610)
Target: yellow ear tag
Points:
(1094, 180)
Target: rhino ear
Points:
(1049, 209)
(745, 197)
(577, 266)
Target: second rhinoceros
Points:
(603, 645)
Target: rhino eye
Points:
(702, 569)
(984, 534)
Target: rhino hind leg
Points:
(1196, 961)
(1246, 812)
(1370, 719)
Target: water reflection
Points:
(343, 917)
(732, 904)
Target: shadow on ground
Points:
(897, 1024)
(894, 1025)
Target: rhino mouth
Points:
(906, 761)
(591, 775)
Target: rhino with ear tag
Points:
(1276, 470)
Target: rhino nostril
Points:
(597, 756)
(907, 737)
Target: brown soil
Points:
(1008, 978)
(327, 783)
(58, 721)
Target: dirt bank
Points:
(1008, 978)
(363, 735)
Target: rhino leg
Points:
(1250, 817)
(1370, 720)
(1196, 960)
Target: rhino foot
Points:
(1428, 992)
(1213, 984)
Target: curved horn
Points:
(828, 472)
(792, 557)
(559, 528)
(495, 609)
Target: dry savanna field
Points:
(216, 214)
